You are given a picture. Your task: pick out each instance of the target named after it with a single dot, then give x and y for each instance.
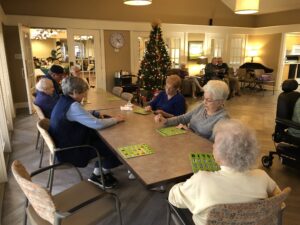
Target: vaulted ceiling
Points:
(270, 6)
(199, 12)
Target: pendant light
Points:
(246, 6)
(137, 2)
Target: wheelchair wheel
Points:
(267, 161)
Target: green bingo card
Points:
(203, 161)
(170, 131)
(142, 111)
(135, 150)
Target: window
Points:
(236, 53)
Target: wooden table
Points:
(170, 162)
(98, 99)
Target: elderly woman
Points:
(235, 150)
(202, 119)
(170, 102)
(44, 96)
(71, 125)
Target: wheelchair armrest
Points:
(288, 123)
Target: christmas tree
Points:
(156, 61)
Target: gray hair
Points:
(218, 89)
(73, 68)
(73, 84)
(44, 84)
(236, 144)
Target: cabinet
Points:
(291, 71)
(125, 82)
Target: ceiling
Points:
(270, 6)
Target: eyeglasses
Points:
(208, 100)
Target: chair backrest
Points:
(127, 96)
(287, 99)
(117, 91)
(43, 127)
(241, 73)
(263, 212)
(39, 111)
(258, 72)
(39, 197)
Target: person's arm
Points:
(155, 101)
(183, 119)
(163, 113)
(182, 195)
(272, 187)
(80, 115)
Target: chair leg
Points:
(42, 152)
(25, 214)
(37, 140)
(118, 207)
(168, 214)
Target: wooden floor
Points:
(141, 206)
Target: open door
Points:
(28, 68)
(85, 51)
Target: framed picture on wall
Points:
(195, 50)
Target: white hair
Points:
(218, 89)
(73, 84)
(74, 67)
(236, 144)
(44, 84)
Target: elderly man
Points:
(56, 74)
(44, 96)
(72, 125)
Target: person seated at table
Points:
(72, 125)
(236, 151)
(184, 74)
(56, 74)
(44, 96)
(233, 82)
(170, 102)
(202, 119)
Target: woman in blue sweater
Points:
(170, 102)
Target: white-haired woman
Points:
(235, 150)
(72, 125)
(202, 119)
(44, 96)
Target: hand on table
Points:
(182, 126)
(160, 119)
(119, 118)
(148, 108)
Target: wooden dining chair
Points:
(40, 116)
(127, 96)
(80, 204)
(263, 212)
(43, 127)
(117, 91)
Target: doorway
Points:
(84, 51)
